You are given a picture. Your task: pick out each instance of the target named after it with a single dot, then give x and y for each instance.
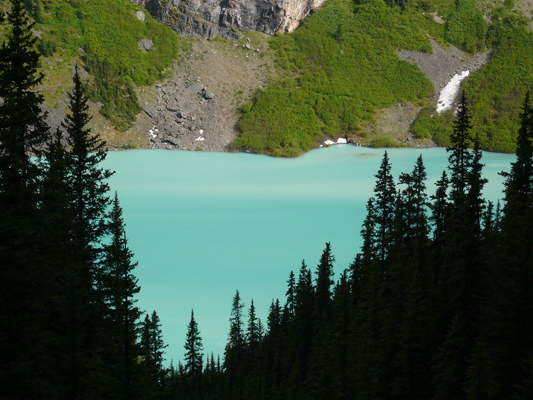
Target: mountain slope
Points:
(338, 75)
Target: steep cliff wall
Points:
(211, 18)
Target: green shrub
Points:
(466, 28)
(429, 124)
(384, 142)
(498, 89)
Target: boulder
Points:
(145, 44)
(195, 88)
(172, 141)
(140, 16)
(151, 111)
(209, 96)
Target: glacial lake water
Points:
(203, 225)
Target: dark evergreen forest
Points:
(438, 304)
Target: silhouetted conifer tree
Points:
(152, 350)
(194, 356)
(23, 130)
(118, 288)
(385, 208)
(89, 201)
(88, 179)
(463, 270)
(440, 208)
(26, 279)
(291, 293)
(460, 157)
(324, 286)
(511, 332)
(234, 352)
(253, 336)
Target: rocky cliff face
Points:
(212, 18)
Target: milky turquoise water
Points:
(203, 225)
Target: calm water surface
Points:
(203, 225)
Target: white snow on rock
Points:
(200, 138)
(339, 141)
(153, 131)
(449, 93)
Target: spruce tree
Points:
(252, 331)
(512, 304)
(385, 195)
(342, 320)
(303, 320)
(439, 211)
(475, 202)
(460, 157)
(414, 206)
(194, 357)
(23, 130)
(236, 334)
(26, 279)
(359, 268)
(234, 352)
(291, 292)
(462, 290)
(89, 202)
(324, 283)
(87, 177)
(118, 288)
(152, 351)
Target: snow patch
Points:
(200, 138)
(449, 93)
(152, 132)
(339, 141)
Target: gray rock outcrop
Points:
(145, 44)
(212, 18)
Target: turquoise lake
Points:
(203, 225)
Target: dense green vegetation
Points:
(495, 91)
(104, 35)
(338, 67)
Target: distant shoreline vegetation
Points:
(339, 67)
